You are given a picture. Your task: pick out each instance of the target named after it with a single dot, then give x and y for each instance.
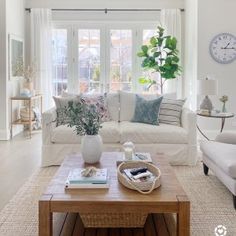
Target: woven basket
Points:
(142, 187)
(113, 220)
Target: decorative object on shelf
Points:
(207, 87)
(25, 114)
(87, 122)
(160, 55)
(28, 73)
(223, 47)
(129, 150)
(16, 55)
(224, 99)
(144, 186)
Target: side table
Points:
(221, 115)
(29, 102)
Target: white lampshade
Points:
(207, 87)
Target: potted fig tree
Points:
(160, 55)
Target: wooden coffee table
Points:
(169, 198)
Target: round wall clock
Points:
(223, 48)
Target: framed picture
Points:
(16, 56)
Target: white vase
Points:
(91, 148)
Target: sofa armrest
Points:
(188, 121)
(48, 124)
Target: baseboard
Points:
(4, 134)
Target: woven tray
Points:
(142, 187)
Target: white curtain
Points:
(171, 22)
(41, 28)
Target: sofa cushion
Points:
(146, 134)
(147, 111)
(222, 154)
(66, 135)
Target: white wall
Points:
(214, 17)
(3, 72)
(105, 3)
(12, 22)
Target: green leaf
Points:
(141, 54)
(144, 49)
(153, 41)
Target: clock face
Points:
(223, 48)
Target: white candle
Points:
(128, 154)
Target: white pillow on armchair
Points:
(227, 137)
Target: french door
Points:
(93, 57)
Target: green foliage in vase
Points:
(160, 55)
(84, 117)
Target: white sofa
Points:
(177, 143)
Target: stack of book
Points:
(76, 180)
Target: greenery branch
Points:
(84, 118)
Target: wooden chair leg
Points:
(234, 201)
(205, 169)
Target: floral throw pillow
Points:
(100, 102)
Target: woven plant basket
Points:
(142, 187)
(113, 220)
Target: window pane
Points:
(147, 34)
(60, 63)
(120, 60)
(89, 60)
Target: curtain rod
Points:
(106, 10)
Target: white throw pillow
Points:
(113, 103)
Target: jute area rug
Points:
(211, 203)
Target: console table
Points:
(221, 115)
(29, 101)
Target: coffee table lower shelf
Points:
(156, 225)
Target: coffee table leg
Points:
(183, 216)
(45, 217)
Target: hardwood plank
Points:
(45, 216)
(149, 227)
(114, 232)
(69, 224)
(170, 224)
(79, 227)
(102, 232)
(183, 216)
(160, 224)
(90, 232)
(58, 223)
(138, 232)
(126, 232)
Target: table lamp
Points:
(207, 87)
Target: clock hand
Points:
(226, 46)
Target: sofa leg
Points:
(234, 201)
(205, 169)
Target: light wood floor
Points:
(19, 158)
